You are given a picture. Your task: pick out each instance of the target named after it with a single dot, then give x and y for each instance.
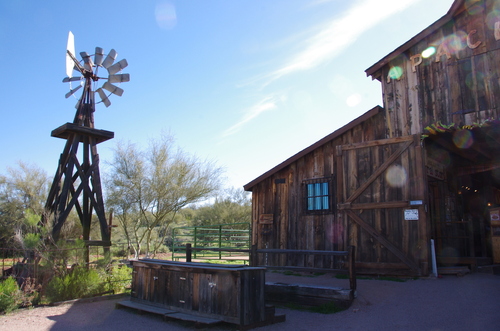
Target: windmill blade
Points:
(122, 78)
(110, 58)
(71, 92)
(117, 67)
(79, 103)
(72, 79)
(70, 47)
(98, 56)
(87, 61)
(103, 97)
(113, 89)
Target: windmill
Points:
(77, 182)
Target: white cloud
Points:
(265, 104)
(336, 36)
(326, 43)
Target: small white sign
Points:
(411, 214)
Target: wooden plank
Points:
(380, 265)
(307, 269)
(374, 205)
(382, 240)
(193, 318)
(379, 142)
(309, 295)
(144, 307)
(380, 170)
(303, 251)
(67, 130)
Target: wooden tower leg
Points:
(74, 180)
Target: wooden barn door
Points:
(381, 194)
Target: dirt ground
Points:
(471, 302)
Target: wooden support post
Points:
(188, 252)
(352, 267)
(253, 256)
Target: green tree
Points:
(234, 206)
(23, 189)
(147, 188)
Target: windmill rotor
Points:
(88, 77)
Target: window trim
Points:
(331, 195)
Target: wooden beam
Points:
(380, 142)
(373, 205)
(380, 170)
(97, 243)
(67, 130)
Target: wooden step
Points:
(193, 318)
(144, 308)
(459, 271)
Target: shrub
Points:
(80, 283)
(9, 295)
(118, 278)
(29, 293)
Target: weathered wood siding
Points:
(233, 294)
(458, 84)
(377, 181)
(279, 207)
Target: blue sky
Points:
(244, 83)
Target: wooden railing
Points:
(350, 255)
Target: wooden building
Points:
(423, 167)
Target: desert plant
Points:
(30, 293)
(9, 295)
(118, 278)
(79, 283)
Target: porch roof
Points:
(477, 145)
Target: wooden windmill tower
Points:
(77, 182)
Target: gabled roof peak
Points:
(457, 7)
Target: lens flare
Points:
(354, 100)
(335, 233)
(165, 15)
(471, 82)
(456, 41)
(473, 7)
(439, 155)
(396, 72)
(463, 139)
(428, 52)
(396, 176)
(493, 17)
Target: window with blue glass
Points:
(318, 195)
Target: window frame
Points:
(328, 181)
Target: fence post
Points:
(195, 245)
(253, 256)
(188, 252)
(220, 241)
(352, 267)
(173, 243)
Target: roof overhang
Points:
(456, 7)
(478, 146)
(369, 114)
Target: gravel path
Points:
(450, 303)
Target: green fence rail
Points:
(227, 236)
